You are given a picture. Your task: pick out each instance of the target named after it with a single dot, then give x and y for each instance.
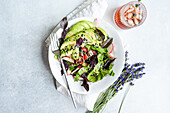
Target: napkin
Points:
(90, 8)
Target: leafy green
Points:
(95, 72)
(100, 49)
(100, 57)
(80, 72)
(56, 56)
(75, 53)
(88, 47)
(110, 71)
(98, 73)
(92, 78)
(99, 76)
(76, 78)
(83, 70)
(71, 68)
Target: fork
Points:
(55, 49)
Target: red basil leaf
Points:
(79, 42)
(64, 23)
(84, 75)
(85, 85)
(64, 33)
(100, 34)
(107, 43)
(108, 62)
(93, 62)
(66, 65)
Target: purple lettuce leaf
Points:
(93, 62)
(85, 85)
(79, 42)
(84, 75)
(64, 23)
(66, 65)
(100, 34)
(107, 43)
(64, 33)
(108, 62)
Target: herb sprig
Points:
(136, 5)
(128, 75)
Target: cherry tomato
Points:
(84, 49)
(85, 57)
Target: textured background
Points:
(26, 84)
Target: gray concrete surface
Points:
(26, 83)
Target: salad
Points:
(87, 52)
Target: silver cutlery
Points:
(55, 49)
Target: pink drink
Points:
(130, 15)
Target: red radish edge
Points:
(111, 49)
(112, 57)
(72, 65)
(71, 60)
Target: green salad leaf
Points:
(99, 49)
(100, 57)
(83, 45)
(80, 72)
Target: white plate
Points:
(107, 80)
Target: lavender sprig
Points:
(128, 75)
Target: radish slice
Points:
(68, 59)
(76, 70)
(112, 57)
(111, 49)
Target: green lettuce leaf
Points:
(80, 72)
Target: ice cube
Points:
(130, 15)
(125, 17)
(130, 9)
(139, 16)
(136, 21)
(130, 22)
